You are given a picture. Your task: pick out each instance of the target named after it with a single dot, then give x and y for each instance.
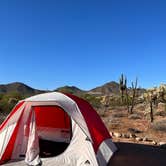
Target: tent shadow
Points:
(130, 154)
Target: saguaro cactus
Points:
(150, 96)
(122, 86)
(134, 88)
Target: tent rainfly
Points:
(55, 117)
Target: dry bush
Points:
(2, 117)
(134, 116)
(161, 113)
(118, 115)
(160, 126)
(134, 131)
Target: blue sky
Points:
(86, 43)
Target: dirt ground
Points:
(130, 154)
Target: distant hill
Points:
(110, 88)
(19, 88)
(106, 89)
(70, 89)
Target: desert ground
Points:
(130, 154)
(128, 126)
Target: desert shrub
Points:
(2, 117)
(116, 101)
(134, 131)
(140, 107)
(160, 113)
(93, 100)
(134, 116)
(1, 96)
(118, 115)
(102, 113)
(160, 126)
(4, 106)
(8, 101)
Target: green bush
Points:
(93, 100)
(8, 101)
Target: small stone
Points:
(126, 136)
(138, 139)
(145, 139)
(132, 135)
(149, 140)
(154, 143)
(162, 143)
(118, 135)
(111, 134)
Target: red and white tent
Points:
(56, 117)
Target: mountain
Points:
(19, 88)
(110, 88)
(70, 89)
(106, 89)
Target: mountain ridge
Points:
(18, 87)
(109, 88)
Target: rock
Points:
(162, 143)
(149, 140)
(138, 139)
(154, 143)
(132, 136)
(118, 135)
(145, 139)
(111, 133)
(126, 135)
